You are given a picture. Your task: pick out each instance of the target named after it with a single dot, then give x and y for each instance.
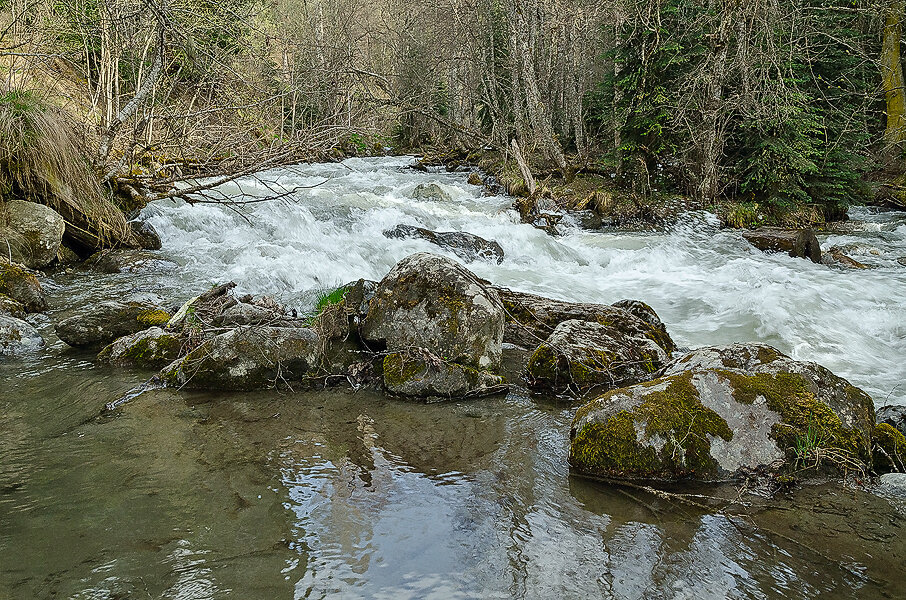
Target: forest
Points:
(767, 111)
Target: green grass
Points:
(326, 299)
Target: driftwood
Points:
(798, 243)
(523, 167)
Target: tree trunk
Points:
(892, 77)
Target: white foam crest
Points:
(709, 285)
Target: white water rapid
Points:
(708, 285)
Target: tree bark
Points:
(892, 77)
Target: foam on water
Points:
(707, 284)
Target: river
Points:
(344, 494)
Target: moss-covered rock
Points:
(10, 307)
(17, 336)
(107, 321)
(889, 449)
(152, 348)
(248, 359)
(30, 232)
(420, 374)
(22, 286)
(719, 412)
(530, 319)
(581, 355)
(433, 302)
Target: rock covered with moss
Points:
(17, 336)
(22, 286)
(151, 348)
(721, 412)
(581, 355)
(10, 307)
(433, 302)
(248, 358)
(530, 319)
(421, 374)
(106, 321)
(30, 232)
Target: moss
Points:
(400, 368)
(767, 355)
(802, 415)
(674, 416)
(889, 449)
(153, 316)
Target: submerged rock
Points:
(22, 286)
(248, 359)
(431, 191)
(107, 321)
(17, 336)
(418, 373)
(581, 355)
(466, 246)
(530, 319)
(723, 412)
(798, 243)
(145, 234)
(30, 232)
(835, 256)
(432, 302)
(128, 261)
(151, 348)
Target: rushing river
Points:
(353, 495)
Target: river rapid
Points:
(335, 493)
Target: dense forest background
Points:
(778, 104)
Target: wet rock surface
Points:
(22, 286)
(17, 336)
(431, 191)
(152, 348)
(721, 412)
(894, 415)
(107, 321)
(419, 373)
(128, 261)
(31, 233)
(466, 246)
(798, 243)
(145, 234)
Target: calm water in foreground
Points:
(352, 495)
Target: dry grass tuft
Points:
(41, 160)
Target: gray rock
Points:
(894, 415)
(466, 246)
(248, 358)
(902, 260)
(145, 234)
(30, 232)
(248, 314)
(17, 336)
(128, 261)
(11, 308)
(420, 374)
(151, 348)
(431, 191)
(583, 355)
(798, 243)
(893, 485)
(103, 323)
(530, 319)
(22, 286)
(724, 412)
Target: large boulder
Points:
(723, 412)
(798, 243)
(248, 358)
(145, 234)
(581, 355)
(107, 321)
(431, 191)
(22, 286)
(152, 348)
(530, 319)
(128, 261)
(420, 374)
(30, 232)
(433, 302)
(17, 336)
(466, 246)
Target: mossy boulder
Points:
(152, 348)
(719, 413)
(889, 449)
(530, 319)
(467, 246)
(248, 358)
(582, 355)
(433, 302)
(894, 415)
(17, 336)
(30, 232)
(418, 373)
(11, 308)
(22, 286)
(107, 321)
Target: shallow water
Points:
(331, 493)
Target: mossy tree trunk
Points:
(892, 78)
